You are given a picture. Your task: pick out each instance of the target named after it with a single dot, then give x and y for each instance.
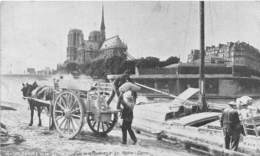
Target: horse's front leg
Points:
(39, 115)
(32, 112)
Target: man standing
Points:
(232, 127)
(128, 100)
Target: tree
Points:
(170, 60)
(70, 67)
(148, 62)
(117, 65)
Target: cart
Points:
(72, 107)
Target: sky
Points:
(34, 34)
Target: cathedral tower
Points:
(75, 40)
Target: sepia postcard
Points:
(131, 78)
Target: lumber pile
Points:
(150, 118)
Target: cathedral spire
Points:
(102, 27)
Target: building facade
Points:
(238, 54)
(97, 46)
(231, 70)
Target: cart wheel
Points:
(68, 114)
(99, 127)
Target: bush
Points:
(70, 67)
(117, 65)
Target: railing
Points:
(251, 125)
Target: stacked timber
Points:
(206, 137)
(151, 118)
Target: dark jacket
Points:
(230, 120)
(127, 112)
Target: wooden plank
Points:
(151, 119)
(181, 99)
(211, 149)
(110, 111)
(6, 108)
(156, 90)
(214, 148)
(212, 139)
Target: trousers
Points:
(231, 138)
(127, 126)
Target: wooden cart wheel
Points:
(99, 127)
(68, 114)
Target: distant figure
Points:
(56, 83)
(232, 127)
(117, 83)
(243, 104)
(128, 100)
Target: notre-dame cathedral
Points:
(97, 46)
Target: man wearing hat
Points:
(127, 97)
(242, 105)
(232, 127)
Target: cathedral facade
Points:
(97, 46)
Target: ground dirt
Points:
(40, 141)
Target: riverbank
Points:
(41, 141)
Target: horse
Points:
(37, 92)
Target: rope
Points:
(170, 95)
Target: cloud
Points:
(35, 33)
